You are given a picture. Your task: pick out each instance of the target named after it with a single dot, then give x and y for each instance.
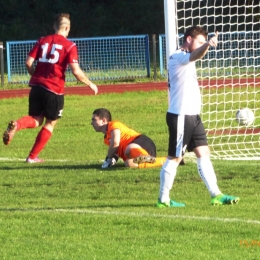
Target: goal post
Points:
(229, 75)
(170, 26)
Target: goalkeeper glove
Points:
(109, 161)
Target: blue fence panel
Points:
(16, 56)
(235, 49)
(102, 58)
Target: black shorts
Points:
(45, 103)
(146, 143)
(185, 132)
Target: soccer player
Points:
(53, 54)
(136, 150)
(186, 130)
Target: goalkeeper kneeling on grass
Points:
(136, 150)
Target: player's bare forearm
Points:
(29, 65)
(112, 150)
(30, 70)
(114, 143)
(80, 76)
(200, 52)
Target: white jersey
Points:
(185, 97)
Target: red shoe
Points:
(9, 132)
(35, 160)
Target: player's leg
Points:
(206, 170)
(145, 156)
(52, 111)
(25, 121)
(169, 169)
(143, 152)
(205, 167)
(149, 162)
(41, 140)
(133, 151)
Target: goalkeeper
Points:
(136, 150)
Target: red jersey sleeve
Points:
(35, 50)
(73, 54)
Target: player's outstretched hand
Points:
(213, 41)
(109, 162)
(106, 164)
(93, 87)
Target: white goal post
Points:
(229, 75)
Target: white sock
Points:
(167, 175)
(208, 175)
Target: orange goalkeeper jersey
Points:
(127, 135)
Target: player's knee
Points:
(202, 151)
(38, 121)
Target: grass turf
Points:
(69, 208)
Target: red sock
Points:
(26, 122)
(41, 140)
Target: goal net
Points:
(229, 75)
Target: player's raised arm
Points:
(200, 52)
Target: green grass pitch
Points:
(69, 208)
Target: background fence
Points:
(101, 58)
(126, 57)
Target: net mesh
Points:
(229, 75)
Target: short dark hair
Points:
(194, 31)
(58, 19)
(103, 113)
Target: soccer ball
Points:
(245, 116)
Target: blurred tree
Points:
(30, 19)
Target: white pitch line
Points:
(129, 214)
(138, 215)
(6, 159)
(11, 159)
